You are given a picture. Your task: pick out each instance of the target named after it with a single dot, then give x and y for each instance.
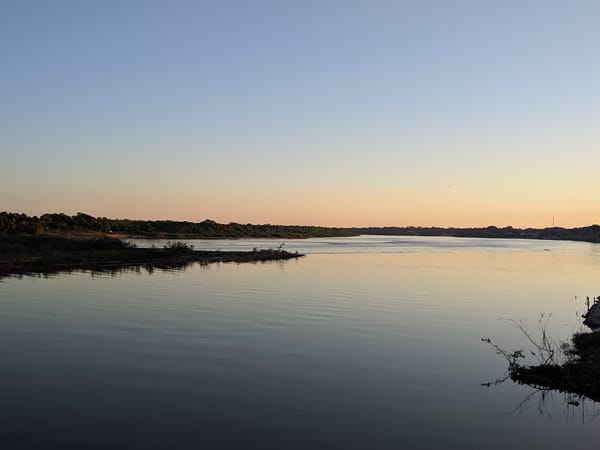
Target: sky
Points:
(333, 113)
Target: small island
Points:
(45, 254)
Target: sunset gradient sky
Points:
(347, 113)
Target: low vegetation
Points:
(28, 254)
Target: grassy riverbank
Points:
(25, 254)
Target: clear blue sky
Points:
(324, 112)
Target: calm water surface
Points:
(367, 343)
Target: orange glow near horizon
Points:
(352, 211)
(359, 192)
(469, 115)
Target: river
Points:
(370, 342)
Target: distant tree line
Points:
(14, 223)
(587, 234)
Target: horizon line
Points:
(303, 225)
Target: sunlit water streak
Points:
(369, 342)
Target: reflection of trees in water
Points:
(575, 408)
(150, 269)
(144, 268)
(540, 398)
(110, 272)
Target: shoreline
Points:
(84, 225)
(28, 255)
(159, 260)
(91, 235)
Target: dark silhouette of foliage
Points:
(14, 223)
(31, 254)
(588, 234)
(569, 367)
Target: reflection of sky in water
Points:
(370, 350)
(380, 244)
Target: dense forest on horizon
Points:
(80, 223)
(587, 234)
(16, 223)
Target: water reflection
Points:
(347, 350)
(575, 409)
(545, 400)
(149, 269)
